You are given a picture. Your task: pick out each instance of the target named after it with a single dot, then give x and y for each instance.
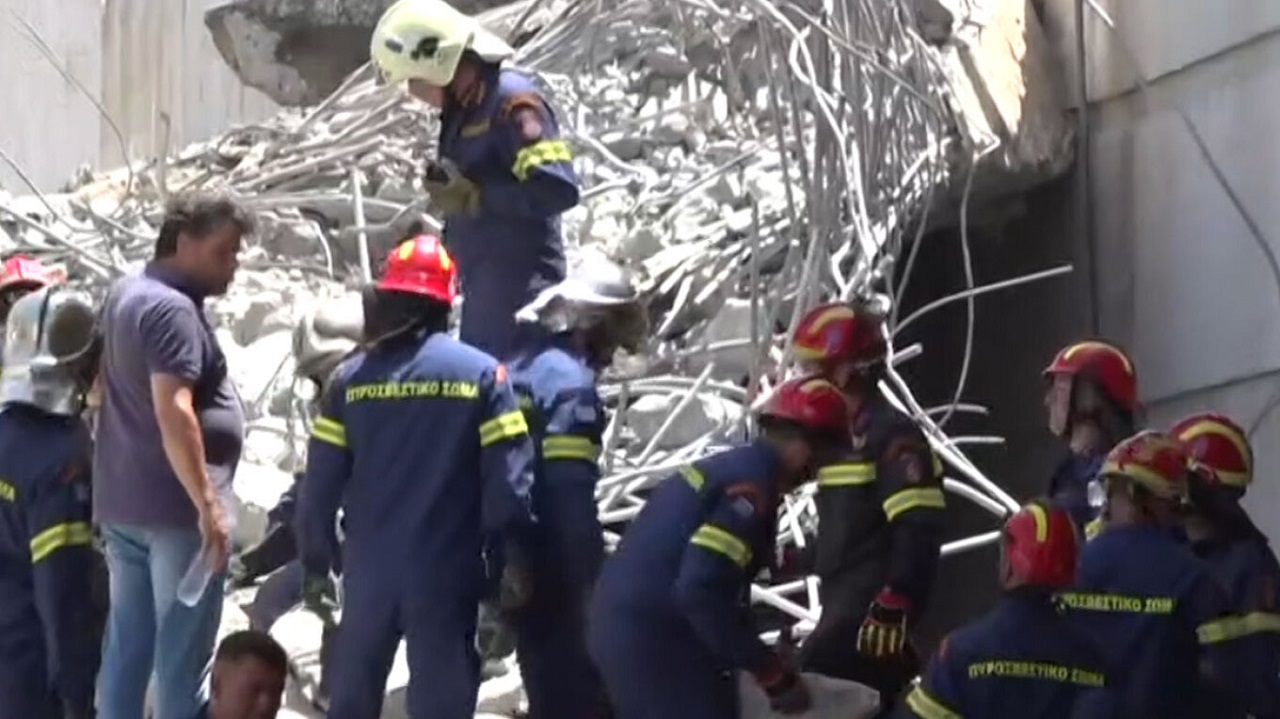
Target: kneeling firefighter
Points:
(48, 649)
(1091, 400)
(670, 621)
(1024, 658)
(421, 442)
(880, 514)
(1151, 606)
(1223, 535)
(589, 316)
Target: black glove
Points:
(788, 694)
(319, 596)
(884, 630)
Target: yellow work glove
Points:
(457, 196)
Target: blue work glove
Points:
(320, 597)
(883, 633)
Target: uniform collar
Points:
(477, 93)
(171, 277)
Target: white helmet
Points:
(425, 39)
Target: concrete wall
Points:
(141, 59)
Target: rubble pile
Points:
(748, 158)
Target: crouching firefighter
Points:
(48, 649)
(421, 442)
(880, 514)
(1024, 658)
(1091, 400)
(1151, 606)
(669, 621)
(504, 176)
(1237, 552)
(589, 316)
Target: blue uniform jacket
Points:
(880, 512)
(506, 139)
(1162, 621)
(423, 445)
(46, 559)
(1069, 486)
(1023, 659)
(686, 563)
(1248, 570)
(557, 391)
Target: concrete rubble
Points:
(763, 158)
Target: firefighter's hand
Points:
(451, 193)
(319, 596)
(884, 630)
(788, 694)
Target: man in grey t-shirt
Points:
(169, 436)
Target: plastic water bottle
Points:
(196, 580)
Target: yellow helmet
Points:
(425, 39)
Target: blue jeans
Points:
(148, 628)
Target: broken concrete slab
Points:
(300, 51)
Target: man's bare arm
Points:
(175, 412)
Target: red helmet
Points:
(1216, 442)
(421, 266)
(835, 332)
(1152, 459)
(1105, 364)
(26, 272)
(812, 403)
(1041, 547)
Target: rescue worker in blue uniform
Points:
(589, 316)
(1237, 552)
(1091, 401)
(421, 442)
(49, 653)
(880, 514)
(1024, 658)
(669, 622)
(1152, 607)
(504, 174)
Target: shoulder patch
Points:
(528, 125)
(911, 457)
(745, 500)
(71, 473)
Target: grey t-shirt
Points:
(153, 324)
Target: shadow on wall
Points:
(1016, 333)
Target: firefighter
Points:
(1150, 605)
(1223, 535)
(669, 618)
(504, 175)
(880, 514)
(1024, 658)
(49, 648)
(421, 442)
(596, 311)
(1091, 400)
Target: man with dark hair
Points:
(248, 680)
(169, 437)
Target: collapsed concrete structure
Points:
(749, 158)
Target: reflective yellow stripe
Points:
(1228, 628)
(719, 541)
(1093, 528)
(569, 447)
(916, 498)
(70, 534)
(331, 431)
(926, 707)
(847, 475)
(938, 467)
(693, 477)
(546, 152)
(504, 426)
